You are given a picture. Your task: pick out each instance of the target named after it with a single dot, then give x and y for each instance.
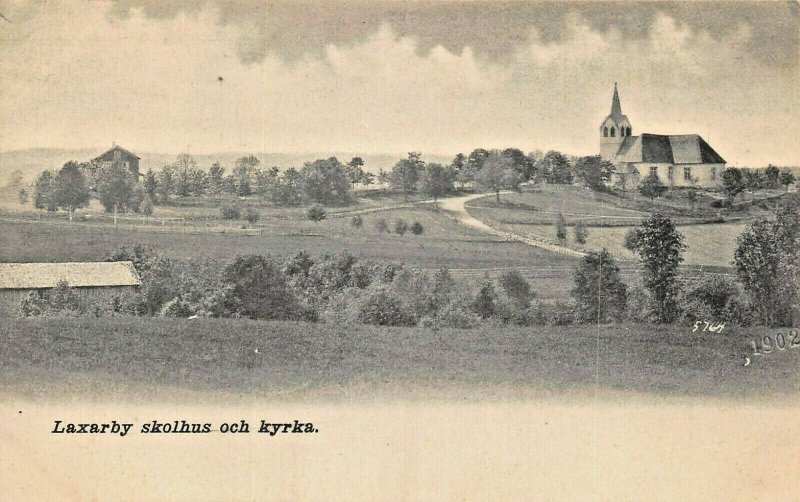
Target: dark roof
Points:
(117, 147)
(672, 149)
(77, 274)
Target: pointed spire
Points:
(616, 108)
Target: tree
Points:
(555, 168)
(400, 226)
(216, 179)
(251, 215)
(243, 173)
(497, 174)
(516, 288)
(151, 185)
(435, 181)
(355, 170)
(22, 195)
(458, 171)
(381, 225)
(258, 289)
(771, 176)
(405, 174)
(44, 192)
(165, 183)
(357, 221)
(521, 163)
(416, 228)
(595, 172)
(484, 302)
(147, 205)
(316, 213)
(561, 227)
(70, 191)
(184, 167)
(767, 260)
(581, 233)
(599, 293)
(660, 247)
(732, 182)
(325, 181)
(116, 189)
(288, 190)
(652, 187)
(786, 178)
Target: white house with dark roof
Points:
(680, 160)
(92, 279)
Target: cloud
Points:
(149, 80)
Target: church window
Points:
(605, 132)
(713, 173)
(628, 133)
(622, 131)
(671, 172)
(654, 170)
(612, 132)
(687, 173)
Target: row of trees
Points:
(495, 171)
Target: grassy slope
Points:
(708, 244)
(98, 356)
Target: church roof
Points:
(616, 110)
(663, 149)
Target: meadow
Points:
(128, 356)
(533, 214)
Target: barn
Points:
(103, 280)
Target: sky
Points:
(392, 77)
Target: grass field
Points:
(710, 244)
(118, 355)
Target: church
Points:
(680, 160)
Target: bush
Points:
(316, 213)
(383, 309)
(556, 314)
(251, 215)
(581, 233)
(230, 211)
(416, 228)
(147, 205)
(400, 226)
(61, 299)
(632, 239)
(561, 227)
(516, 288)
(599, 293)
(357, 221)
(456, 315)
(258, 289)
(484, 303)
(381, 225)
(639, 306)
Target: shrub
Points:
(456, 315)
(357, 221)
(581, 233)
(416, 228)
(316, 213)
(400, 226)
(599, 293)
(516, 288)
(251, 215)
(561, 227)
(259, 290)
(383, 309)
(147, 205)
(484, 303)
(713, 298)
(381, 225)
(639, 306)
(556, 314)
(632, 239)
(230, 211)
(61, 299)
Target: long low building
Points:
(103, 280)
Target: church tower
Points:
(614, 129)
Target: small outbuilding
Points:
(116, 155)
(104, 280)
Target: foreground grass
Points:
(125, 355)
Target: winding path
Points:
(455, 207)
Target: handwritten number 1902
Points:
(768, 344)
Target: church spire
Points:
(616, 108)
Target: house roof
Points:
(117, 147)
(663, 149)
(77, 274)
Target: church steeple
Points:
(616, 108)
(614, 129)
